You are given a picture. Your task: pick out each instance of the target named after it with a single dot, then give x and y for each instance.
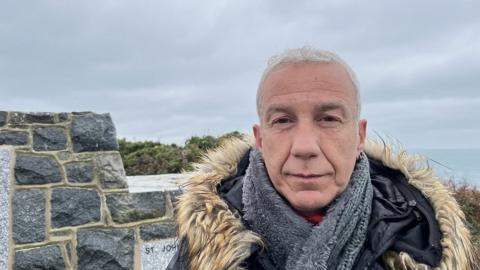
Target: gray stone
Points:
(110, 171)
(13, 137)
(79, 172)
(31, 169)
(157, 231)
(157, 255)
(174, 194)
(44, 258)
(29, 216)
(17, 118)
(3, 118)
(82, 113)
(126, 207)
(41, 118)
(63, 117)
(20, 118)
(73, 207)
(105, 249)
(93, 132)
(49, 138)
(5, 158)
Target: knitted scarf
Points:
(294, 243)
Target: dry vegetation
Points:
(469, 199)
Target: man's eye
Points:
(282, 120)
(329, 119)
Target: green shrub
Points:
(147, 157)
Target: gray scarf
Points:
(294, 243)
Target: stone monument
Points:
(65, 201)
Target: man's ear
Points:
(362, 135)
(258, 137)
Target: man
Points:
(310, 192)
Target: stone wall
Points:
(64, 200)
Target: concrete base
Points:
(148, 183)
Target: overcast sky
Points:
(167, 70)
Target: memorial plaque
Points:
(157, 255)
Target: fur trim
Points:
(218, 240)
(216, 237)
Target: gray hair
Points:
(307, 55)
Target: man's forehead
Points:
(288, 77)
(306, 80)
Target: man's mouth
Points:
(306, 175)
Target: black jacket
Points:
(402, 220)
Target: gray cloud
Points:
(167, 70)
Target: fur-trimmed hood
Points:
(218, 240)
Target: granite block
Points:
(127, 207)
(49, 139)
(32, 169)
(93, 132)
(29, 216)
(105, 249)
(74, 206)
(5, 159)
(49, 257)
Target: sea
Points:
(458, 165)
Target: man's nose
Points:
(305, 144)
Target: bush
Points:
(468, 197)
(147, 157)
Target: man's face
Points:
(309, 134)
